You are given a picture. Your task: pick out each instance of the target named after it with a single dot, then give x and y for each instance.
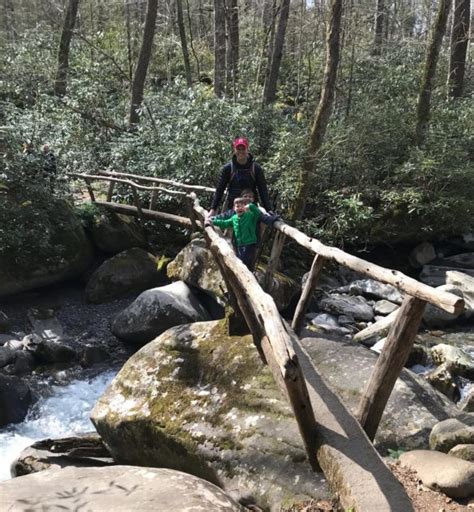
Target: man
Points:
(242, 172)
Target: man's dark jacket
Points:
(239, 177)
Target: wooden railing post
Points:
(389, 364)
(154, 195)
(136, 200)
(272, 265)
(110, 191)
(89, 189)
(191, 214)
(306, 294)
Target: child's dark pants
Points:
(246, 253)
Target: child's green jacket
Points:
(245, 226)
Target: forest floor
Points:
(423, 498)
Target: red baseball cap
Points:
(240, 141)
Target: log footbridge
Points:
(335, 440)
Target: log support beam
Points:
(390, 363)
(306, 294)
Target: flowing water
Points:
(64, 412)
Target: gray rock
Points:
(339, 304)
(325, 320)
(436, 317)
(133, 270)
(413, 408)
(156, 310)
(463, 451)
(117, 488)
(458, 361)
(442, 379)
(465, 283)
(24, 363)
(45, 324)
(113, 233)
(441, 472)
(196, 266)
(50, 352)
(283, 288)
(93, 354)
(451, 432)
(384, 307)
(374, 289)
(198, 400)
(436, 275)
(7, 356)
(14, 345)
(467, 401)
(85, 450)
(15, 399)
(422, 254)
(464, 260)
(4, 338)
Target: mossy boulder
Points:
(196, 266)
(200, 401)
(113, 233)
(133, 270)
(56, 247)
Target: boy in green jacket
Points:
(244, 223)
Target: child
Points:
(249, 195)
(244, 223)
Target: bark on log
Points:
(376, 330)
(393, 357)
(444, 300)
(307, 293)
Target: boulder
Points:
(93, 354)
(64, 248)
(436, 275)
(463, 451)
(451, 432)
(117, 488)
(283, 289)
(15, 399)
(464, 260)
(422, 254)
(133, 270)
(413, 408)
(196, 266)
(436, 317)
(82, 451)
(375, 290)
(156, 310)
(339, 304)
(442, 379)
(465, 283)
(467, 400)
(43, 322)
(7, 356)
(113, 233)
(458, 361)
(384, 307)
(441, 472)
(200, 401)
(5, 338)
(50, 352)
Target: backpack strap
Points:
(233, 172)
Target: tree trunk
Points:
(219, 47)
(129, 41)
(191, 40)
(143, 61)
(380, 16)
(323, 112)
(232, 17)
(459, 42)
(269, 94)
(9, 19)
(184, 44)
(60, 83)
(424, 98)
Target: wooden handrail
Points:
(444, 300)
(126, 182)
(185, 186)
